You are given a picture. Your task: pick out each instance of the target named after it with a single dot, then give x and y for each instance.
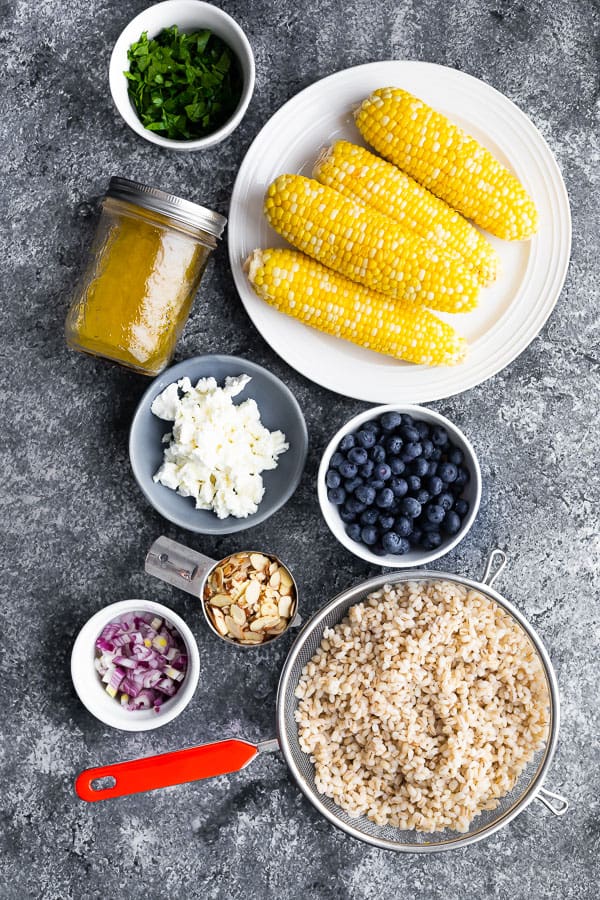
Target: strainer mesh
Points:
(299, 762)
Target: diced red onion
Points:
(141, 660)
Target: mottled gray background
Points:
(76, 528)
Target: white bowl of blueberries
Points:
(399, 486)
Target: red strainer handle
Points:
(165, 770)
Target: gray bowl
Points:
(278, 408)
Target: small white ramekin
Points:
(92, 692)
(188, 15)
(414, 558)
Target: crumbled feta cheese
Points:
(217, 449)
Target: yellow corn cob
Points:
(447, 161)
(297, 285)
(356, 173)
(367, 247)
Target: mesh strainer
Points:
(231, 755)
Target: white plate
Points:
(510, 313)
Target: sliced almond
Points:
(273, 567)
(219, 621)
(218, 578)
(269, 609)
(233, 628)
(285, 607)
(275, 579)
(264, 622)
(258, 561)
(238, 615)
(220, 600)
(251, 638)
(285, 579)
(252, 592)
(278, 629)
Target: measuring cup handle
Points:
(178, 565)
(495, 564)
(165, 770)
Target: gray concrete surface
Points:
(75, 528)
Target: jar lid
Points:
(159, 201)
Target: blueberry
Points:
(333, 479)
(427, 448)
(347, 443)
(411, 451)
(394, 444)
(407, 419)
(367, 470)
(399, 486)
(432, 467)
(423, 429)
(336, 495)
(410, 434)
(429, 527)
(336, 460)
(377, 549)
(397, 466)
(386, 523)
(461, 508)
(462, 478)
(416, 537)
(369, 516)
(437, 454)
(377, 453)
(434, 485)
(358, 456)
(404, 526)
(353, 531)
(431, 541)
(414, 483)
(419, 467)
(377, 483)
(354, 506)
(347, 516)
(369, 535)
(350, 484)
(394, 543)
(411, 507)
(439, 436)
(382, 472)
(452, 523)
(446, 501)
(348, 469)
(390, 420)
(448, 472)
(423, 496)
(385, 498)
(435, 513)
(456, 456)
(366, 439)
(373, 427)
(365, 494)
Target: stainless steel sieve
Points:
(228, 756)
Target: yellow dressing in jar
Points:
(146, 264)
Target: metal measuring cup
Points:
(191, 571)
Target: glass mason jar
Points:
(145, 266)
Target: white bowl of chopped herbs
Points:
(182, 74)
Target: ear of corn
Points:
(367, 247)
(357, 173)
(297, 285)
(447, 161)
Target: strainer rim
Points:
(359, 590)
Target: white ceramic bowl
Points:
(90, 689)
(471, 493)
(188, 15)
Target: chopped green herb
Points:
(183, 86)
